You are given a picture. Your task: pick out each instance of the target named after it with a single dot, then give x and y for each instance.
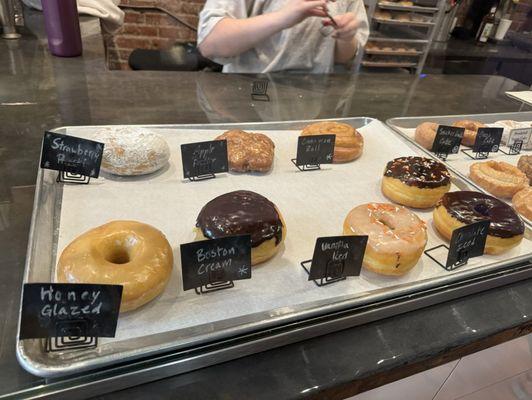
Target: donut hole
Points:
(118, 255)
(386, 222)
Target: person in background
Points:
(261, 36)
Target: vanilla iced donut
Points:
(396, 236)
(128, 253)
(132, 151)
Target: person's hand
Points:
(347, 26)
(296, 11)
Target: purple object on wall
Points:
(62, 27)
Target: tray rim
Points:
(390, 123)
(50, 371)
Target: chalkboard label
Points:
(466, 242)
(488, 140)
(337, 256)
(69, 310)
(315, 150)
(447, 140)
(71, 154)
(519, 135)
(204, 158)
(216, 260)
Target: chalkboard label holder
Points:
(73, 171)
(327, 280)
(463, 258)
(76, 340)
(479, 155)
(514, 149)
(442, 155)
(69, 177)
(306, 167)
(216, 282)
(203, 177)
(487, 141)
(214, 287)
(259, 91)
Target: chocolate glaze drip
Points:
(418, 171)
(469, 207)
(240, 213)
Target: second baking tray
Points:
(459, 163)
(313, 204)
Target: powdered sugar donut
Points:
(132, 151)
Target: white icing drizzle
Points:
(132, 150)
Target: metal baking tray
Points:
(459, 163)
(391, 21)
(400, 7)
(202, 345)
(393, 53)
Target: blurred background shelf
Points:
(393, 24)
(400, 7)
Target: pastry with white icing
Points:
(132, 151)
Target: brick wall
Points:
(151, 24)
(522, 16)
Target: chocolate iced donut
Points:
(457, 209)
(415, 181)
(243, 212)
(420, 172)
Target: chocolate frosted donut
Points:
(458, 209)
(415, 181)
(470, 207)
(243, 213)
(420, 172)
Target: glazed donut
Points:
(457, 209)
(396, 236)
(128, 253)
(415, 181)
(425, 134)
(525, 165)
(348, 144)
(243, 212)
(498, 177)
(522, 202)
(132, 151)
(248, 151)
(470, 133)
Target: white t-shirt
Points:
(304, 47)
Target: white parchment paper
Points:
(313, 204)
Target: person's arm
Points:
(231, 37)
(346, 43)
